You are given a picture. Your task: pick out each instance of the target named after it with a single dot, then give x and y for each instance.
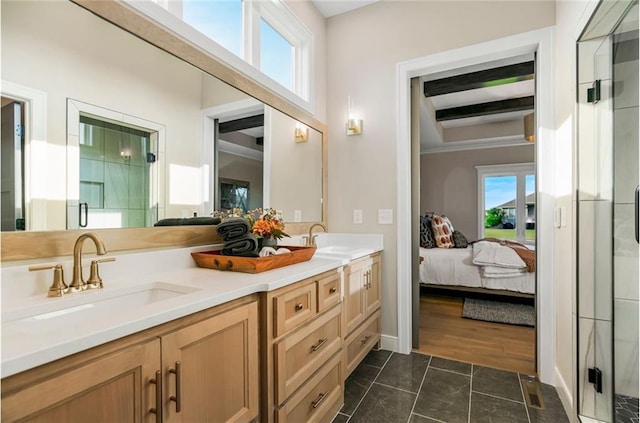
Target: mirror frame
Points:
(39, 245)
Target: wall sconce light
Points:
(301, 133)
(529, 127)
(354, 125)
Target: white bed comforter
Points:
(497, 261)
(454, 266)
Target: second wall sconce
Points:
(301, 133)
(354, 125)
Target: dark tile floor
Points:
(418, 388)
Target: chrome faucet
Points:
(311, 239)
(78, 283)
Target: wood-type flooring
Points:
(445, 333)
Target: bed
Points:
(454, 268)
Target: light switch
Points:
(297, 215)
(357, 216)
(563, 217)
(385, 217)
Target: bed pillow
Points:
(442, 231)
(459, 240)
(426, 234)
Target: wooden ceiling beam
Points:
(480, 79)
(240, 124)
(485, 109)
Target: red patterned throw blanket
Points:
(527, 255)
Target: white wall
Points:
(363, 48)
(240, 168)
(449, 182)
(570, 17)
(293, 168)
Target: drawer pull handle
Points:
(178, 397)
(321, 398)
(332, 290)
(365, 339)
(299, 307)
(158, 409)
(319, 345)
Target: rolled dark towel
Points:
(177, 221)
(246, 246)
(233, 228)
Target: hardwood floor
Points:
(444, 333)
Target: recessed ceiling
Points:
(330, 8)
(477, 106)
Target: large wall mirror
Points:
(109, 131)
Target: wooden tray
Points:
(215, 260)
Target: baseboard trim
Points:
(389, 343)
(565, 395)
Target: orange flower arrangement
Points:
(267, 224)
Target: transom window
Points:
(507, 202)
(265, 34)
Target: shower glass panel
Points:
(608, 178)
(115, 176)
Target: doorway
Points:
(541, 42)
(477, 168)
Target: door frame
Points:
(541, 42)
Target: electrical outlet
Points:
(357, 216)
(297, 215)
(385, 217)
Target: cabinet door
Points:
(218, 378)
(353, 297)
(372, 291)
(112, 388)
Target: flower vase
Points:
(267, 242)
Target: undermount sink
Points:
(343, 251)
(93, 304)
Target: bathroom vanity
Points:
(191, 344)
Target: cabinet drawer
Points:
(329, 292)
(294, 308)
(360, 342)
(301, 353)
(318, 400)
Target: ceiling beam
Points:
(485, 109)
(240, 124)
(480, 79)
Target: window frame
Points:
(520, 171)
(275, 13)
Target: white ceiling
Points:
(330, 8)
(474, 132)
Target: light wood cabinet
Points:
(110, 388)
(211, 369)
(302, 368)
(360, 341)
(362, 286)
(135, 379)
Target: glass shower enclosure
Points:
(607, 205)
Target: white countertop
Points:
(27, 342)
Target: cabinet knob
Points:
(332, 290)
(299, 307)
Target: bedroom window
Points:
(507, 202)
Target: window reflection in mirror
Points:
(71, 54)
